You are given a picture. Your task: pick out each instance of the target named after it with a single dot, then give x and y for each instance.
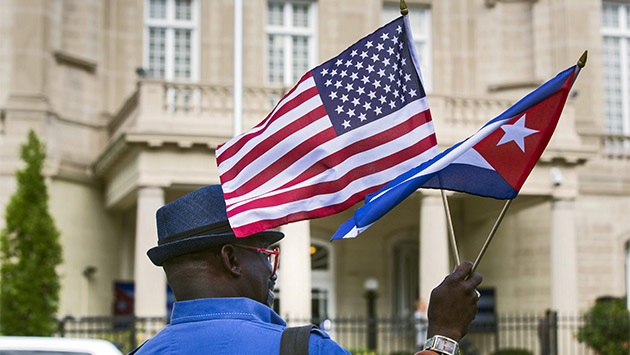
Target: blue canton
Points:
(371, 79)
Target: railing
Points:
(614, 146)
(208, 109)
(532, 333)
(203, 108)
(470, 113)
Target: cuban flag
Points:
(493, 162)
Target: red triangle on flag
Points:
(506, 157)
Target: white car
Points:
(10, 345)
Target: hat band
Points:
(220, 227)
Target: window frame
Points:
(423, 34)
(170, 24)
(287, 31)
(621, 32)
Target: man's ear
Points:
(230, 260)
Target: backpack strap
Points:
(294, 340)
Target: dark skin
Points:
(231, 271)
(453, 303)
(223, 271)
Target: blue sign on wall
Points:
(124, 298)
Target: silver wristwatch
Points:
(442, 345)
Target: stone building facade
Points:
(132, 97)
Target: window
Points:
(171, 39)
(616, 60)
(420, 21)
(291, 40)
(406, 277)
(320, 256)
(322, 280)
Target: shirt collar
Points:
(223, 308)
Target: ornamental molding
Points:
(492, 3)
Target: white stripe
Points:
(319, 201)
(303, 86)
(289, 117)
(269, 157)
(451, 156)
(355, 231)
(472, 157)
(267, 188)
(271, 186)
(352, 233)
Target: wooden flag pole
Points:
(450, 227)
(403, 8)
(492, 232)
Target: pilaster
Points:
(294, 278)
(433, 240)
(150, 281)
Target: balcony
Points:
(159, 107)
(196, 113)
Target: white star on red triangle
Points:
(516, 133)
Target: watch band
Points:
(442, 345)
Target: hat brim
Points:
(159, 254)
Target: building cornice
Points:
(118, 148)
(492, 3)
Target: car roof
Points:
(91, 346)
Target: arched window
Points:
(322, 282)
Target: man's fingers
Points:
(462, 273)
(462, 270)
(475, 280)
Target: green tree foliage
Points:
(512, 352)
(30, 252)
(607, 327)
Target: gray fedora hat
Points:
(195, 222)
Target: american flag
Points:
(347, 128)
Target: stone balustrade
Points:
(177, 107)
(615, 146)
(208, 109)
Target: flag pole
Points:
(237, 125)
(492, 232)
(403, 8)
(450, 227)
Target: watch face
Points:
(445, 345)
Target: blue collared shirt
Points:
(229, 326)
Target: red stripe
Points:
(357, 147)
(278, 138)
(334, 158)
(258, 226)
(296, 101)
(329, 187)
(282, 163)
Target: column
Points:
(150, 281)
(564, 290)
(434, 247)
(294, 277)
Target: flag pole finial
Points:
(582, 61)
(403, 8)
